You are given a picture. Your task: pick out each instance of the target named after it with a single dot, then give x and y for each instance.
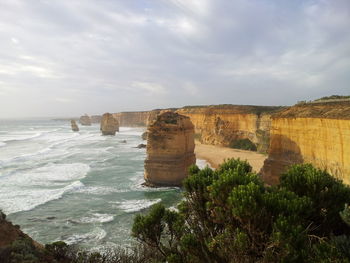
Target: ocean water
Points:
(82, 188)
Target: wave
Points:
(20, 137)
(95, 235)
(101, 190)
(27, 199)
(97, 218)
(2, 144)
(135, 205)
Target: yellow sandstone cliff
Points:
(132, 119)
(316, 133)
(170, 150)
(224, 124)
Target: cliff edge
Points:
(316, 133)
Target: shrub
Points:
(228, 215)
(243, 144)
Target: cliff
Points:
(317, 133)
(74, 126)
(109, 124)
(132, 119)
(85, 120)
(226, 125)
(170, 150)
(96, 118)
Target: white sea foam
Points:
(25, 189)
(22, 136)
(2, 144)
(135, 205)
(202, 163)
(101, 190)
(97, 218)
(95, 235)
(24, 199)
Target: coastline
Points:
(215, 155)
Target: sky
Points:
(70, 57)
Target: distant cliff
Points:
(317, 133)
(132, 119)
(226, 125)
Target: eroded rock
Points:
(109, 124)
(85, 120)
(170, 150)
(74, 126)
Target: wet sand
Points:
(215, 155)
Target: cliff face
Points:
(170, 149)
(109, 124)
(312, 133)
(132, 119)
(223, 125)
(74, 126)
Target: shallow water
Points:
(82, 187)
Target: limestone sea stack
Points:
(74, 125)
(109, 124)
(170, 150)
(85, 120)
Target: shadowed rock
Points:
(74, 126)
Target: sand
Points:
(215, 155)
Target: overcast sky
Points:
(69, 57)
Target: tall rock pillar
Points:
(109, 124)
(170, 150)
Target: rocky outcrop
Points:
(96, 118)
(74, 126)
(170, 150)
(224, 125)
(316, 133)
(109, 124)
(85, 120)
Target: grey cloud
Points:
(71, 57)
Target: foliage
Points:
(243, 144)
(333, 97)
(228, 215)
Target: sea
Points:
(79, 187)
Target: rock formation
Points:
(85, 120)
(109, 124)
(317, 133)
(132, 119)
(74, 126)
(141, 146)
(170, 150)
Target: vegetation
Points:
(243, 144)
(333, 97)
(228, 215)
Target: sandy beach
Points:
(215, 155)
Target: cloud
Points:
(98, 56)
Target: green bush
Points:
(228, 215)
(243, 144)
